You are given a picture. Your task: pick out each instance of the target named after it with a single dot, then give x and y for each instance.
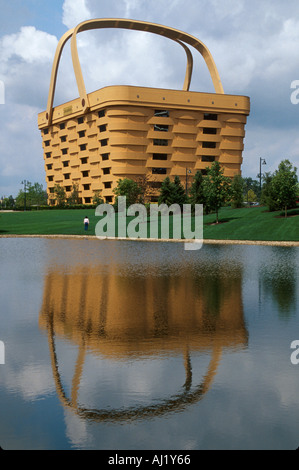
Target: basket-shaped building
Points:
(144, 134)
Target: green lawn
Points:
(236, 224)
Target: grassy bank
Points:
(254, 224)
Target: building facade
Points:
(141, 132)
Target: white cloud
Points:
(29, 45)
(74, 12)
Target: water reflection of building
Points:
(124, 316)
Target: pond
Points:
(138, 345)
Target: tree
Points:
(216, 187)
(237, 190)
(60, 194)
(130, 189)
(179, 192)
(197, 191)
(267, 195)
(74, 197)
(251, 196)
(97, 199)
(145, 183)
(167, 192)
(250, 183)
(35, 195)
(284, 185)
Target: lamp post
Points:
(262, 162)
(187, 171)
(25, 187)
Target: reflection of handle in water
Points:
(173, 404)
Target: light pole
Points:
(262, 162)
(187, 171)
(25, 187)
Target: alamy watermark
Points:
(186, 224)
(295, 354)
(2, 353)
(295, 93)
(2, 92)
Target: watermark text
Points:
(162, 222)
(295, 354)
(2, 353)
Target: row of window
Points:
(158, 112)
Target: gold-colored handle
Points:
(174, 34)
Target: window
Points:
(51, 189)
(86, 187)
(85, 174)
(102, 113)
(48, 155)
(68, 189)
(65, 164)
(81, 134)
(67, 176)
(87, 200)
(161, 142)
(104, 143)
(103, 128)
(46, 131)
(161, 113)
(80, 120)
(63, 138)
(82, 147)
(64, 151)
(50, 178)
(107, 185)
(209, 130)
(105, 157)
(47, 143)
(207, 158)
(108, 199)
(209, 145)
(49, 167)
(106, 171)
(84, 160)
(62, 126)
(160, 156)
(161, 128)
(210, 117)
(159, 171)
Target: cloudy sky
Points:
(255, 46)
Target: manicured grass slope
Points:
(235, 224)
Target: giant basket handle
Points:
(174, 34)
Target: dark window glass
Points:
(160, 156)
(207, 158)
(159, 171)
(161, 142)
(209, 145)
(161, 113)
(210, 130)
(161, 128)
(210, 117)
